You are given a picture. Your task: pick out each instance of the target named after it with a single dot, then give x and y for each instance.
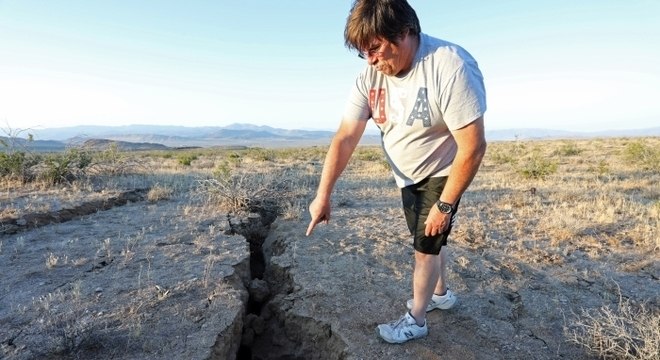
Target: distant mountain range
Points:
(163, 137)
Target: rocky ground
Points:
(176, 279)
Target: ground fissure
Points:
(270, 331)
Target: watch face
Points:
(444, 208)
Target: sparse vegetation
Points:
(65, 167)
(584, 210)
(639, 152)
(537, 167)
(158, 192)
(15, 161)
(186, 159)
(569, 149)
(626, 331)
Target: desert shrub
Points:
(385, 164)
(248, 190)
(639, 152)
(601, 168)
(501, 157)
(222, 171)
(506, 152)
(368, 154)
(260, 154)
(15, 161)
(312, 153)
(112, 161)
(186, 159)
(234, 158)
(11, 164)
(158, 192)
(625, 332)
(537, 167)
(16, 165)
(568, 149)
(66, 166)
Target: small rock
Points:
(249, 319)
(259, 290)
(258, 325)
(99, 289)
(21, 222)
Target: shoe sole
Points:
(395, 341)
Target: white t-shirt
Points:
(443, 91)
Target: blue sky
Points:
(573, 65)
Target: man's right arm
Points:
(341, 148)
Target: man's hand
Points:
(437, 222)
(319, 209)
(341, 148)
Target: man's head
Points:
(381, 31)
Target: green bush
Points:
(369, 154)
(16, 165)
(12, 164)
(186, 159)
(260, 154)
(537, 167)
(234, 158)
(501, 157)
(66, 166)
(222, 172)
(601, 168)
(640, 153)
(569, 149)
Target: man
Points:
(427, 97)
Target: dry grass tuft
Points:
(627, 332)
(158, 192)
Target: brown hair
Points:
(388, 19)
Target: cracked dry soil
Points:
(176, 279)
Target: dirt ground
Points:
(356, 272)
(131, 280)
(175, 278)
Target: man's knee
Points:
(422, 257)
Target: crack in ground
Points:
(39, 219)
(270, 329)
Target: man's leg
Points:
(429, 272)
(426, 278)
(441, 286)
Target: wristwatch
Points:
(444, 207)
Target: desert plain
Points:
(202, 254)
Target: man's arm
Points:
(341, 148)
(471, 142)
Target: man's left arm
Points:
(471, 143)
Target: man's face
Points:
(385, 56)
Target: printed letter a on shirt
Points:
(420, 110)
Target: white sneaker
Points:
(444, 302)
(402, 330)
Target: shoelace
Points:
(395, 324)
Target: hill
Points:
(155, 136)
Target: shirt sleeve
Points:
(463, 98)
(357, 106)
